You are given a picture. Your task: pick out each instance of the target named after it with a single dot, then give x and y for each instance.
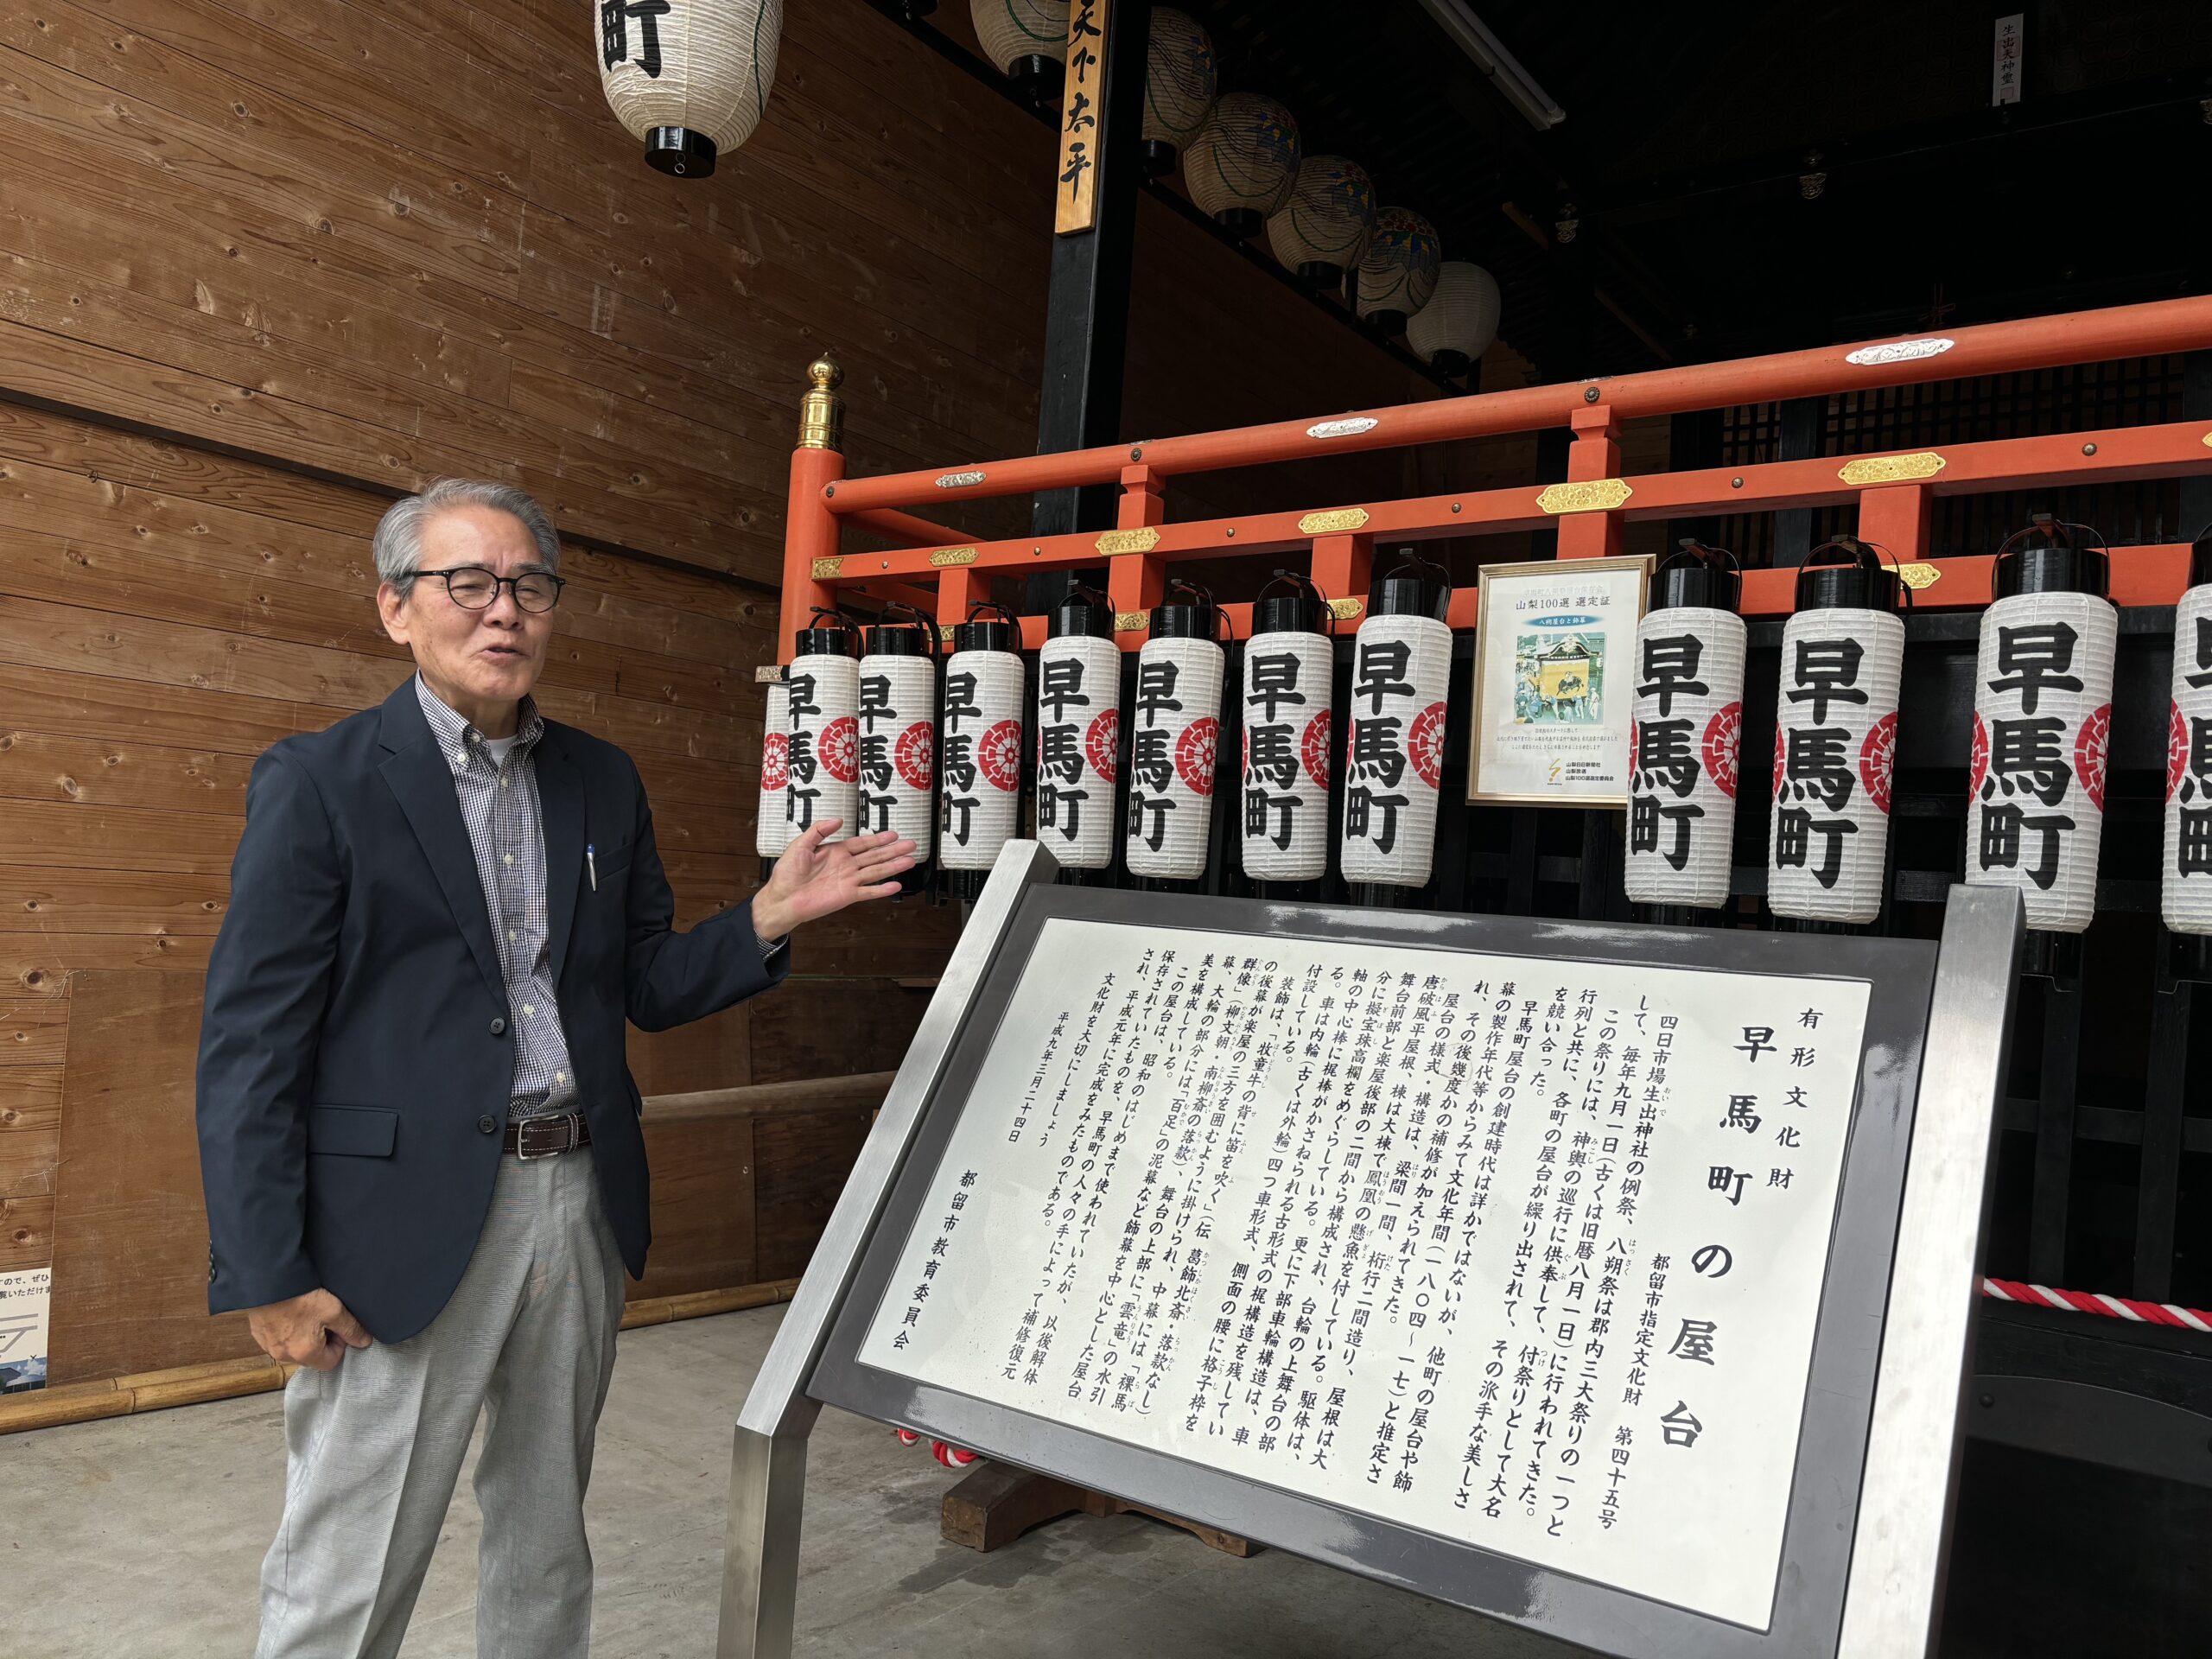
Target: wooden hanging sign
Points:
(1082, 109)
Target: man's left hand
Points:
(817, 877)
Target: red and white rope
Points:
(2111, 1308)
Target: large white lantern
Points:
(980, 765)
(821, 751)
(1290, 666)
(1321, 231)
(2042, 715)
(1685, 734)
(1179, 85)
(1397, 272)
(1835, 740)
(897, 714)
(1394, 731)
(772, 830)
(1453, 331)
(1078, 731)
(1174, 730)
(690, 78)
(1027, 40)
(2185, 885)
(1241, 163)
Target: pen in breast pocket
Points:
(591, 863)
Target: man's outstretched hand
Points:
(311, 1330)
(817, 877)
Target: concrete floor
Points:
(142, 1537)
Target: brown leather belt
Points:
(547, 1135)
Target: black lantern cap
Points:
(1196, 617)
(1085, 613)
(1001, 633)
(1159, 158)
(1697, 578)
(1417, 587)
(1852, 578)
(827, 633)
(1300, 610)
(1391, 324)
(902, 631)
(2060, 561)
(680, 151)
(1242, 223)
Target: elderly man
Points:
(420, 1143)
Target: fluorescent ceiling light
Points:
(1473, 36)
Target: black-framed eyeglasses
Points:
(475, 589)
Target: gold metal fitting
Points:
(822, 411)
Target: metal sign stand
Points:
(1894, 1588)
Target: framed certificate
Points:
(1554, 641)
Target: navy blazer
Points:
(357, 1047)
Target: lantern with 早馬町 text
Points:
(980, 769)
(822, 746)
(1685, 733)
(1174, 732)
(898, 731)
(1835, 740)
(1394, 722)
(2185, 883)
(1290, 663)
(772, 831)
(2042, 718)
(690, 78)
(1078, 731)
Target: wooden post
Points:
(1594, 456)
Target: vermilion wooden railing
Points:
(1893, 491)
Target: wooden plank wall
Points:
(265, 263)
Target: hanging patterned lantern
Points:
(823, 748)
(1026, 39)
(1174, 728)
(1241, 165)
(1835, 740)
(690, 78)
(1178, 86)
(1397, 273)
(1684, 736)
(1289, 664)
(1079, 731)
(898, 728)
(1453, 331)
(1322, 230)
(1393, 749)
(772, 830)
(2185, 884)
(980, 772)
(2042, 713)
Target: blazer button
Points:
(487, 1123)
(498, 1027)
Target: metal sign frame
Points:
(1894, 1442)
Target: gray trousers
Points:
(374, 1448)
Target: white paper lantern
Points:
(1453, 330)
(772, 830)
(1078, 747)
(1021, 36)
(1321, 231)
(1284, 704)
(823, 754)
(2042, 715)
(1241, 163)
(897, 729)
(1684, 743)
(1178, 86)
(1835, 755)
(2185, 890)
(1394, 745)
(1397, 272)
(690, 78)
(1174, 729)
(981, 769)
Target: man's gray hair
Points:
(400, 533)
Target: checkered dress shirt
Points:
(500, 805)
